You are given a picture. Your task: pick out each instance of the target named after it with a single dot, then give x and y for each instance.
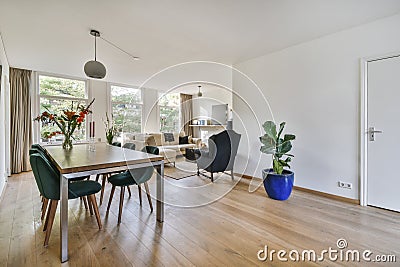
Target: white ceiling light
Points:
(199, 94)
(94, 68)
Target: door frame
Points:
(363, 141)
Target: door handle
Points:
(372, 132)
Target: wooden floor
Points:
(227, 232)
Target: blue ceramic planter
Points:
(278, 186)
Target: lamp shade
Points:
(95, 69)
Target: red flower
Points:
(79, 120)
(69, 114)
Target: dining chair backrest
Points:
(47, 179)
(151, 149)
(116, 144)
(129, 146)
(39, 147)
(34, 150)
(144, 174)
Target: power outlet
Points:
(345, 185)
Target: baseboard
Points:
(319, 193)
(327, 195)
(243, 175)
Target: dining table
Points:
(91, 159)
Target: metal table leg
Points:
(64, 218)
(160, 192)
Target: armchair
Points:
(221, 153)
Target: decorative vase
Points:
(278, 186)
(67, 144)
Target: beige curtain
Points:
(21, 119)
(186, 113)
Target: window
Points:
(57, 94)
(126, 105)
(169, 112)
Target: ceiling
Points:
(53, 36)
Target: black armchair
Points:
(221, 153)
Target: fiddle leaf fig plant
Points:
(276, 146)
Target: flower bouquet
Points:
(67, 122)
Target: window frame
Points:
(110, 101)
(38, 96)
(160, 95)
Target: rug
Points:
(182, 169)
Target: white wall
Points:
(4, 99)
(99, 91)
(314, 87)
(151, 119)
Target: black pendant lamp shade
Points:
(93, 68)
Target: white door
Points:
(383, 182)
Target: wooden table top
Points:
(79, 158)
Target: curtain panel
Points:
(21, 119)
(187, 113)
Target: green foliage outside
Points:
(126, 109)
(169, 112)
(50, 87)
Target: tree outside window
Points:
(126, 104)
(57, 94)
(169, 112)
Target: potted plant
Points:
(110, 129)
(278, 182)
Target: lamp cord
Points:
(122, 50)
(95, 48)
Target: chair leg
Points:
(212, 177)
(103, 185)
(52, 211)
(146, 187)
(129, 191)
(46, 222)
(44, 207)
(111, 197)
(232, 174)
(90, 205)
(198, 171)
(121, 203)
(97, 177)
(85, 202)
(140, 194)
(92, 199)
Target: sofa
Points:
(167, 143)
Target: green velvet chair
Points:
(105, 176)
(116, 144)
(36, 148)
(129, 146)
(132, 177)
(48, 182)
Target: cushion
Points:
(157, 138)
(151, 141)
(122, 179)
(183, 140)
(83, 188)
(169, 137)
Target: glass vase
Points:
(67, 144)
